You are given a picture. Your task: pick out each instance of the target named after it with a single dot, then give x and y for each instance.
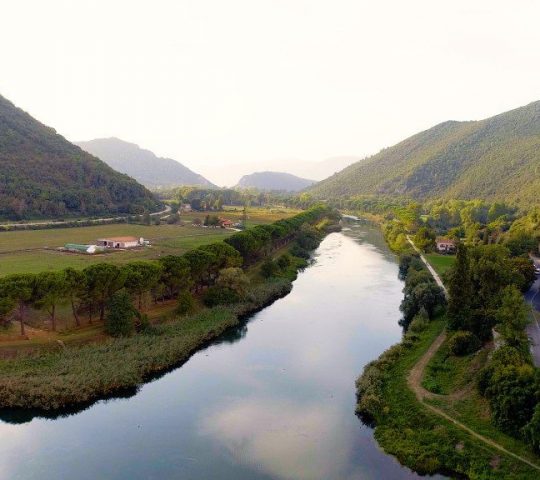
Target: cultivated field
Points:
(35, 251)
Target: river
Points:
(273, 400)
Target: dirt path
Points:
(414, 381)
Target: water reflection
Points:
(271, 400)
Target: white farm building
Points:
(120, 242)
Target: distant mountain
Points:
(230, 173)
(44, 175)
(274, 181)
(143, 165)
(496, 159)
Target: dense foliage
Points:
(43, 175)
(495, 159)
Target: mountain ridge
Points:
(44, 175)
(142, 164)
(277, 181)
(497, 158)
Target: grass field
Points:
(441, 263)
(34, 251)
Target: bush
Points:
(269, 268)
(186, 303)
(121, 312)
(300, 252)
(463, 343)
(284, 261)
(419, 322)
(217, 295)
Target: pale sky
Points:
(223, 81)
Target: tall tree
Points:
(20, 288)
(512, 318)
(141, 277)
(76, 291)
(103, 280)
(460, 290)
(50, 288)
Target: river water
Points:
(273, 400)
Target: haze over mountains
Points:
(143, 165)
(44, 175)
(274, 181)
(230, 175)
(497, 159)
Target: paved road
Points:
(533, 329)
(434, 274)
(59, 223)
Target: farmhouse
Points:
(120, 242)
(445, 245)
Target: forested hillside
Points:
(496, 159)
(274, 181)
(143, 165)
(44, 175)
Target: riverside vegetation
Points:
(226, 277)
(493, 392)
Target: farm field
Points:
(33, 251)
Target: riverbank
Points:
(431, 432)
(80, 375)
(418, 438)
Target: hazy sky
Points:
(222, 81)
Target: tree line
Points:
(90, 291)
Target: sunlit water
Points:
(274, 400)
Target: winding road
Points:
(166, 210)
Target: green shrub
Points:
(217, 295)
(269, 268)
(463, 343)
(186, 303)
(419, 322)
(284, 261)
(119, 321)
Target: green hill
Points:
(496, 159)
(44, 175)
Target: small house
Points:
(445, 245)
(120, 242)
(225, 223)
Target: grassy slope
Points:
(496, 158)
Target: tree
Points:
(512, 318)
(425, 239)
(175, 274)
(120, 314)
(460, 290)
(146, 218)
(141, 277)
(7, 304)
(102, 281)
(76, 290)
(20, 288)
(50, 289)
(233, 278)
